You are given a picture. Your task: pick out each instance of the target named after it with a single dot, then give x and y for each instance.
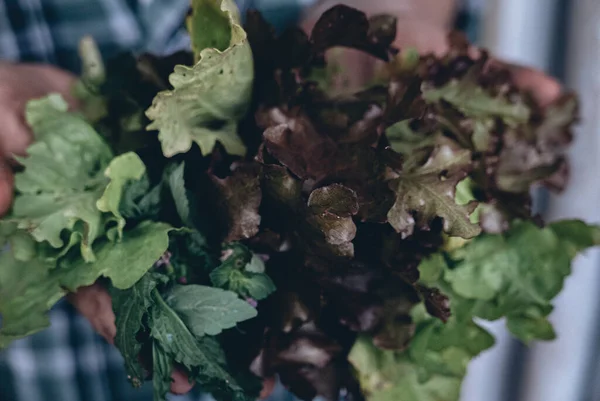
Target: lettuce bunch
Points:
(253, 214)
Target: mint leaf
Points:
(139, 201)
(121, 170)
(161, 372)
(130, 306)
(207, 310)
(62, 179)
(176, 182)
(170, 331)
(249, 285)
(208, 99)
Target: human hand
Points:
(423, 25)
(21, 83)
(94, 303)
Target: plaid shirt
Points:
(68, 361)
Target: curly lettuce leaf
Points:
(433, 366)
(62, 179)
(87, 89)
(424, 192)
(470, 98)
(446, 349)
(121, 170)
(514, 275)
(213, 24)
(208, 99)
(30, 285)
(27, 291)
(124, 262)
(329, 216)
(392, 376)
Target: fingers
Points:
(544, 88)
(180, 383)
(47, 80)
(6, 188)
(423, 36)
(95, 304)
(268, 387)
(21, 83)
(15, 135)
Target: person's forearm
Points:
(439, 13)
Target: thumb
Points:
(95, 304)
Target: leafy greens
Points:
(252, 214)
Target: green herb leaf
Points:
(139, 201)
(207, 310)
(161, 372)
(243, 273)
(170, 331)
(250, 285)
(176, 182)
(130, 306)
